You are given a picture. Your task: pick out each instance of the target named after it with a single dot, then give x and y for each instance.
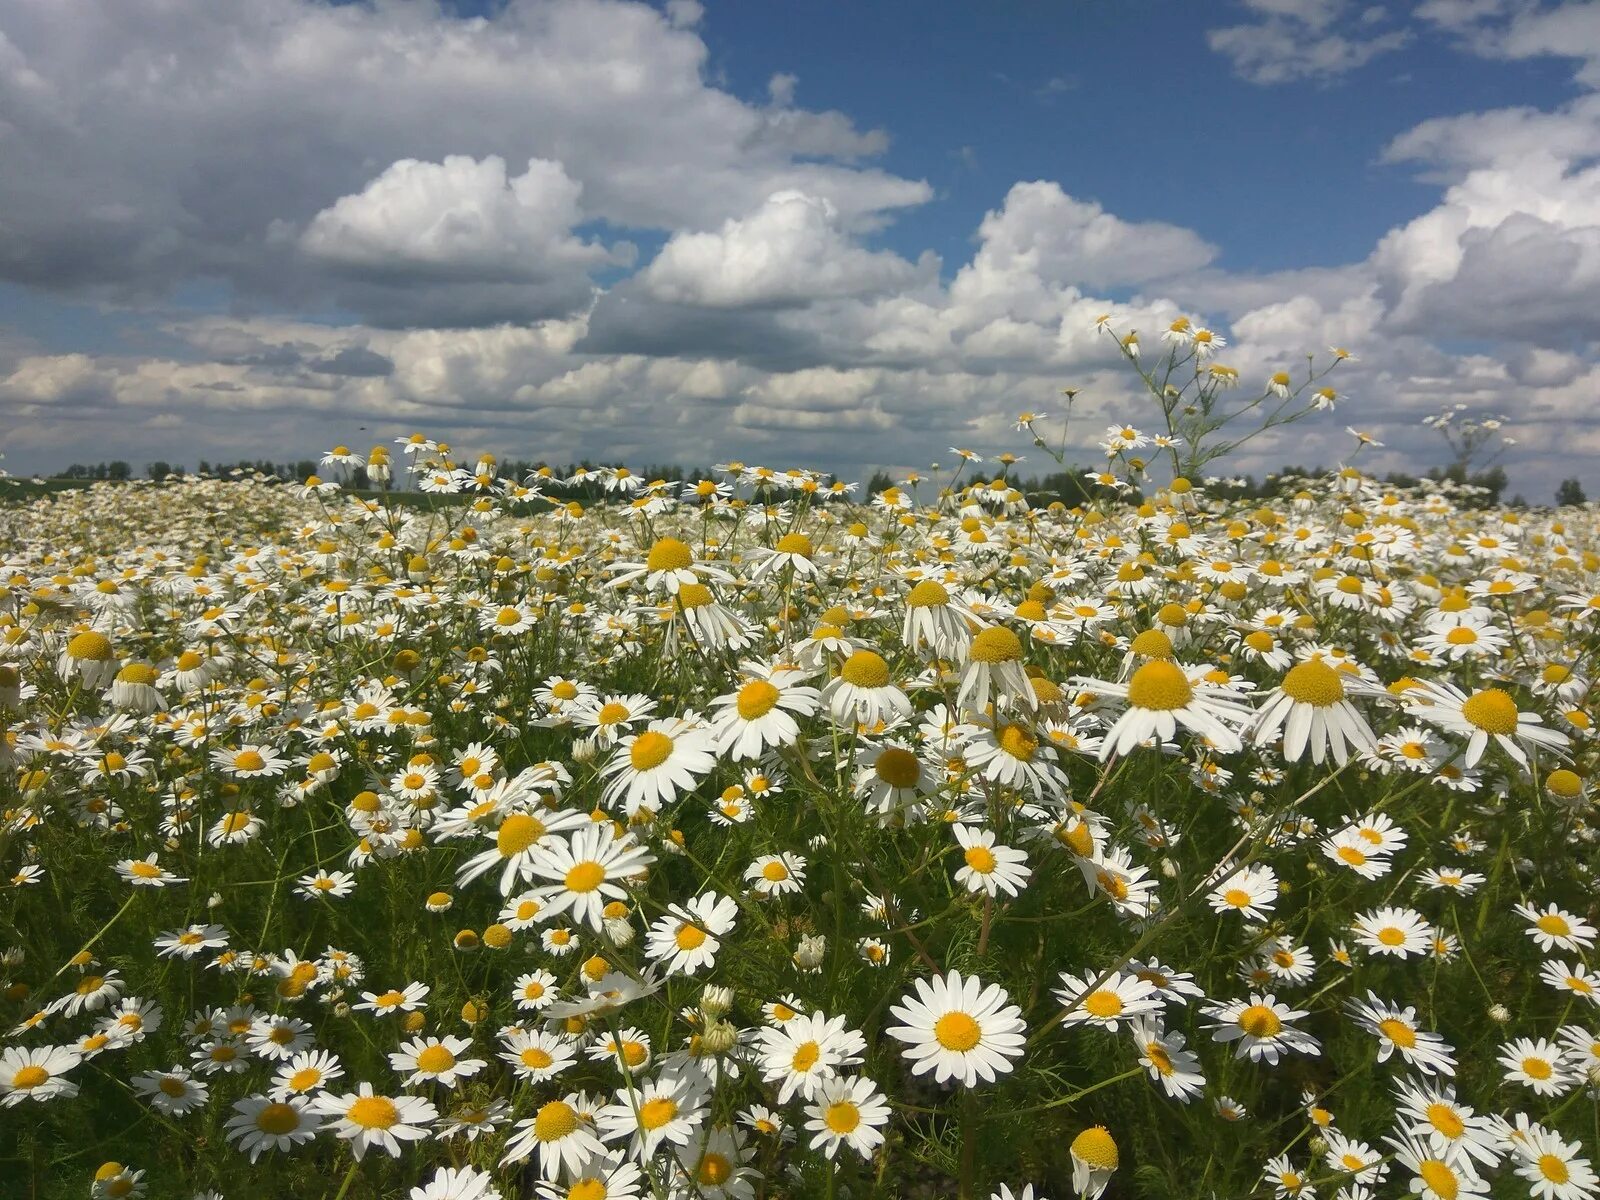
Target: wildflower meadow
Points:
(453, 839)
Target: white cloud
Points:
(792, 250)
(1302, 39)
(459, 219)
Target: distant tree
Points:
(119, 470)
(1570, 492)
(159, 469)
(881, 481)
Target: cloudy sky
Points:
(837, 234)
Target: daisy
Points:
(37, 1074)
(987, 867)
(1451, 1128)
(1553, 1166)
(1555, 927)
(669, 1108)
(1353, 1158)
(1013, 755)
(629, 1049)
(650, 769)
(1395, 931)
(457, 1183)
(562, 1131)
(1537, 1064)
(1094, 1160)
(863, 693)
(1262, 1027)
(365, 1119)
(688, 937)
(305, 1073)
(1108, 1003)
(435, 1059)
(412, 998)
(1163, 1053)
(994, 673)
(934, 621)
(1251, 891)
(606, 1177)
(260, 1123)
(850, 1112)
(1161, 695)
(1487, 714)
(1396, 1029)
(776, 874)
(517, 841)
(958, 1029)
(1575, 978)
(1312, 709)
(249, 761)
(805, 1051)
(1436, 1176)
(760, 716)
(146, 872)
(587, 872)
(172, 1093)
(536, 1056)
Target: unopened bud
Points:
(619, 931)
(1499, 1014)
(715, 1001)
(720, 1038)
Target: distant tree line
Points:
(1071, 487)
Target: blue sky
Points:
(841, 234)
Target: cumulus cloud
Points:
(789, 251)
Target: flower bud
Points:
(809, 954)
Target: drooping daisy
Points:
(959, 1029)
(863, 693)
(994, 674)
(1160, 696)
(1094, 1160)
(1312, 709)
(563, 1133)
(1163, 1053)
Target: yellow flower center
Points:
(516, 833)
(1553, 1168)
(650, 750)
(302, 1080)
(1398, 1032)
(373, 1112)
(957, 1031)
(756, 699)
(1104, 1003)
(612, 713)
(1554, 923)
(1446, 1120)
(1159, 686)
(795, 543)
(1097, 1148)
(1492, 711)
(775, 872)
(1439, 1177)
(930, 593)
(898, 768)
(536, 1058)
(1259, 1021)
(980, 859)
(248, 760)
(653, 1114)
(669, 554)
(865, 669)
(90, 646)
(1314, 683)
(689, 936)
(1018, 742)
(842, 1117)
(436, 1058)
(278, 1119)
(30, 1077)
(555, 1121)
(1152, 643)
(806, 1056)
(997, 644)
(585, 876)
